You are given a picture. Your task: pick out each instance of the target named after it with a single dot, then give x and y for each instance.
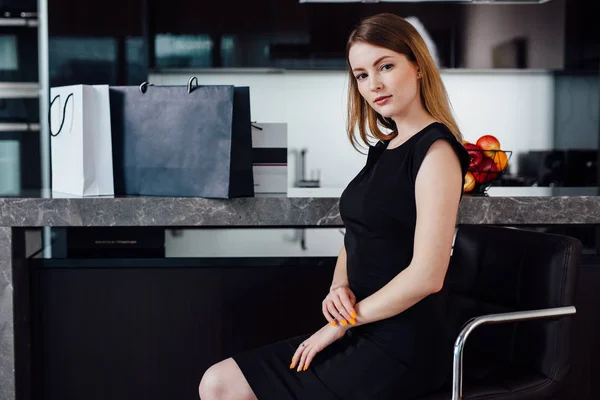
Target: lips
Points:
(381, 99)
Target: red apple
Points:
(486, 171)
(475, 153)
(488, 142)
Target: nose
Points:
(375, 84)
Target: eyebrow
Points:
(374, 64)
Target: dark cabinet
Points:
(283, 29)
(135, 329)
(112, 18)
(582, 35)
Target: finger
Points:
(352, 299)
(303, 359)
(296, 356)
(341, 308)
(327, 315)
(333, 311)
(309, 357)
(348, 307)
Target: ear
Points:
(419, 76)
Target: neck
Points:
(412, 120)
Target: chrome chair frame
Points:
(489, 319)
(459, 345)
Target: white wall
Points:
(489, 25)
(515, 107)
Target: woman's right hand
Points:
(338, 306)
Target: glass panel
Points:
(183, 51)
(83, 61)
(10, 172)
(137, 71)
(9, 59)
(18, 54)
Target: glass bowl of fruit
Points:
(488, 163)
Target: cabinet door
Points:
(112, 18)
(149, 332)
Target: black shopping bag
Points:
(182, 141)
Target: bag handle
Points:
(190, 83)
(144, 86)
(64, 112)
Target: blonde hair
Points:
(395, 33)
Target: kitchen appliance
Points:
(19, 97)
(125, 242)
(568, 168)
(18, 48)
(269, 157)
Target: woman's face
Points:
(387, 80)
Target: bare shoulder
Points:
(441, 152)
(440, 173)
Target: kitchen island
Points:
(20, 213)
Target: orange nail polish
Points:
(298, 370)
(333, 323)
(291, 365)
(305, 368)
(344, 322)
(353, 321)
(353, 314)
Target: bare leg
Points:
(225, 381)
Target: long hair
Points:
(395, 33)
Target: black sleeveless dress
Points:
(398, 358)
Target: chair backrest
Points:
(495, 270)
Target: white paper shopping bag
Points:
(81, 142)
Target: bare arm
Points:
(340, 277)
(338, 305)
(437, 191)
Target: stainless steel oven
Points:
(18, 49)
(19, 167)
(19, 97)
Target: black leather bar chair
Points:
(510, 291)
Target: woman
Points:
(385, 336)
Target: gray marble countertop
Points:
(525, 206)
(507, 206)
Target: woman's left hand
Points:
(314, 344)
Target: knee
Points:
(212, 385)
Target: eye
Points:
(361, 76)
(386, 67)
